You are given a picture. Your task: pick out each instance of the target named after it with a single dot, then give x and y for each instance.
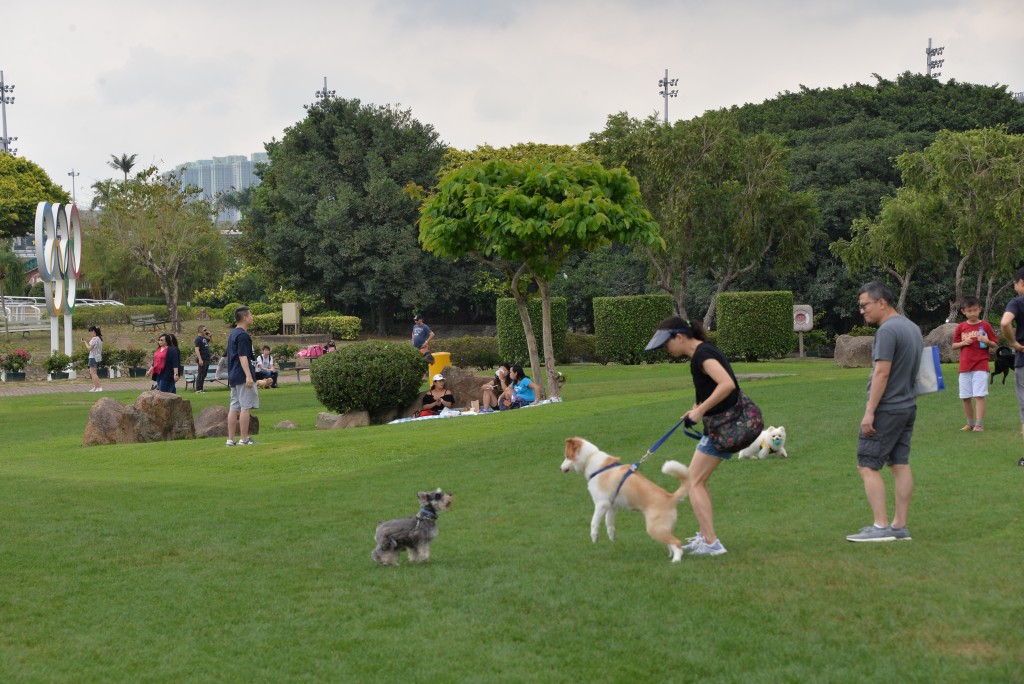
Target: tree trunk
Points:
(549, 347)
(666, 281)
(958, 293)
(904, 280)
(524, 315)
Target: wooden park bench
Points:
(148, 320)
(218, 374)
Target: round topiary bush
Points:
(370, 376)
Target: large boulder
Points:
(212, 421)
(942, 337)
(154, 417)
(854, 352)
(464, 385)
(325, 420)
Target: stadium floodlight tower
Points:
(5, 99)
(934, 63)
(325, 94)
(665, 84)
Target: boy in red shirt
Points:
(973, 338)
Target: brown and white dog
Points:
(265, 383)
(637, 493)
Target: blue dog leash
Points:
(636, 466)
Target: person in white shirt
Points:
(265, 366)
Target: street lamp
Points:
(73, 173)
(665, 84)
(5, 100)
(325, 94)
(934, 63)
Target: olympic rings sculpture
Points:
(59, 254)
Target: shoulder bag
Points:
(735, 428)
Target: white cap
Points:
(438, 377)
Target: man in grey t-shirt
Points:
(888, 422)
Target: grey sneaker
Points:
(873, 534)
(693, 542)
(705, 549)
(900, 533)
(246, 442)
(231, 443)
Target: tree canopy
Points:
(23, 185)
(330, 216)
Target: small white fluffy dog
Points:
(637, 492)
(772, 442)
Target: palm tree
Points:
(124, 163)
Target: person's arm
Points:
(429, 337)
(958, 341)
(199, 356)
(879, 381)
(993, 338)
(175, 362)
(724, 387)
(1006, 326)
(245, 360)
(536, 392)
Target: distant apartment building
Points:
(221, 175)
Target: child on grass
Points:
(973, 338)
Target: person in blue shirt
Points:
(520, 392)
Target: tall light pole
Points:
(934, 63)
(73, 173)
(665, 84)
(325, 94)
(5, 100)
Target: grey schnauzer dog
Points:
(413, 533)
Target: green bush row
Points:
(111, 314)
(471, 352)
(511, 338)
(337, 326)
(227, 314)
(755, 325)
(266, 324)
(624, 325)
(580, 347)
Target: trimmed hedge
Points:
(512, 339)
(624, 325)
(266, 323)
(339, 327)
(371, 376)
(470, 352)
(111, 314)
(227, 314)
(755, 325)
(581, 347)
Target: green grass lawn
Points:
(188, 561)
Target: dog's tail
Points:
(678, 470)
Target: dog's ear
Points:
(572, 447)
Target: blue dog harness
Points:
(634, 466)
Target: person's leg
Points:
(874, 487)
(968, 411)
(243, 425)
(979, 420)
(701, 467)
(904, 486)
(232, 421)
(200, 378)
(273, 378)
(980, 391)
(94, 372)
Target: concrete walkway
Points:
(82, 384)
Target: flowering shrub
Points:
(15, 361)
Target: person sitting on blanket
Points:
(520, 392)
(438, 398)
(493, 389)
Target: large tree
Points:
(23, 185)
(978, 177)
(330, 216)
(161, 226)
(530, 216)
(722, 198)
(909, 233)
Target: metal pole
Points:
(666, 97)
(3, 107)
(73, 173)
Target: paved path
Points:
(82, 384)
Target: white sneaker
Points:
(92, 389)
(231, 443)
(693, 542)
(98, 389)
(705, 549)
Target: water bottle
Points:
(981, 329)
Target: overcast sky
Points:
(185, 80)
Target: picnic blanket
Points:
(455, 413)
